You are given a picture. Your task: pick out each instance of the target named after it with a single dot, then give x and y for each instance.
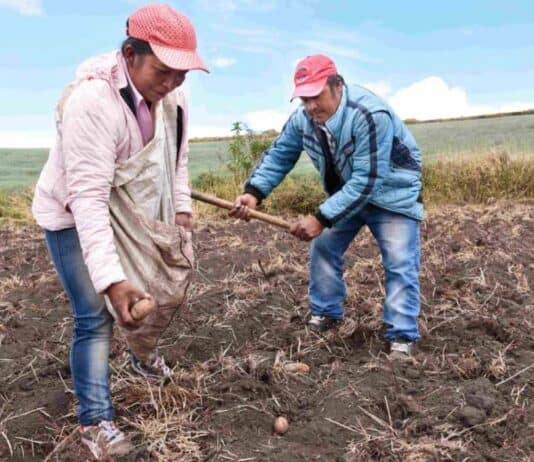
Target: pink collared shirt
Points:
(142, 112)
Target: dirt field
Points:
(467, 396)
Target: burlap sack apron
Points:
(156, 255)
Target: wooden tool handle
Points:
(229, 206)
(141, 309)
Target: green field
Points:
(514, 134)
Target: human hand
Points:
(123, 296)
(306, 228)
(185, 220)
(242, 206)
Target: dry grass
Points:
(479, 179)
(16, 207)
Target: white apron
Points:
(156, 255)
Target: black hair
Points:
(140, 47)
(334, 80)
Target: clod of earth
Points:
(471, 416)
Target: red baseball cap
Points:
(311, 75)
(170, 35)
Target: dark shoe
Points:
(322, 323)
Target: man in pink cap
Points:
(121, 132)
(370, 168)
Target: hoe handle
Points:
(224, 204)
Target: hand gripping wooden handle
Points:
(224, 204)
(141, 309)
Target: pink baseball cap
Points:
(170, 34)
(311, 75)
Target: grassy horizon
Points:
(474, 180)
(469, 161)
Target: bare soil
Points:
(468, 395)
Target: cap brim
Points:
(179, 59)
(309, 90)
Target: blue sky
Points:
(428, 59)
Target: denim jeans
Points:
(89, 354)
(398, 238)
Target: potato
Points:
(297, 368)
(280, 425)
(143, 308)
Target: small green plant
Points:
(245, 150)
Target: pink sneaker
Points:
(157, 369)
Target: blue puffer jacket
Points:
(377, 158)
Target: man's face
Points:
(325, 104)
(151, 77)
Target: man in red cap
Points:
(121, 138)
(370, 167)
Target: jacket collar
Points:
(335, 122)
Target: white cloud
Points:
(265, 120)
(26, 138)
(515, 106)
(199, 131)
(430, 98)
(24, 7)
(222, 62)
(433, 98)
(46, 138)
(381, 87)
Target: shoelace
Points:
(159, 363)
(109, 430)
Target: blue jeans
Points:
(89, 354)
(398, 238)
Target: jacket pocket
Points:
(402, 157)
